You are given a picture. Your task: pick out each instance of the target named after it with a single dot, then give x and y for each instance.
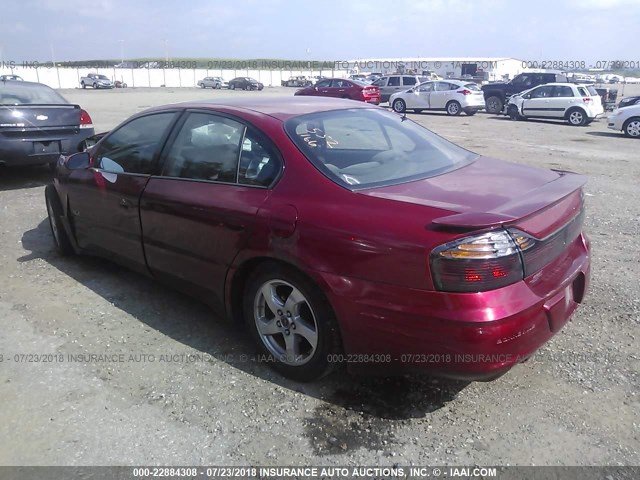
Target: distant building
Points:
(480, 68)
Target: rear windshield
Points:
(363, 147)
(25, 93)
(592, 91)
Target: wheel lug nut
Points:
(289, 314)
(279, 312)
(293, 326)
(278, 323)
(286, 332)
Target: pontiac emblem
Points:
(41, 117)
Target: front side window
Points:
(542, 92)
(426, 87)
(133, 147)
(206, 148)
(381, 82)
(362, 148)
(324, 84)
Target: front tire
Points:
(202, 86)
(83, 85)
(399, 106)
(631, 127)
(470, 113)
(513, 113)
(291, 322)
(494, 104)
(95, 85)
(54, 210)
(232, 86)
(577, 117)
(453, 108)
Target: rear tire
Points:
(54, 210)
(399, 106)
(453, 108)
(631, 127)
(494, 104)
(577, 117)
(291, 322)
(418, 110)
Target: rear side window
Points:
(409, 80)
(562, 91)
(133, 147)
(583, 92)
(473, 87)
(394, 82)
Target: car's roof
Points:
(281, 108)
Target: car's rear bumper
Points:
(42, 149)
(471, 336)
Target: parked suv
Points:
(497, 94)
(391, 84)
(577, 104)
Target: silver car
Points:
(213, 82)
(391, 84)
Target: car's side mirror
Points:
(78, 161)
(527, 96)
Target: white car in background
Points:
(452, 96)
(627, 120)
(577, 104)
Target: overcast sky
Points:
(319, 29)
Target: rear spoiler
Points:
(529, 204)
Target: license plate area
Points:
(46, 148)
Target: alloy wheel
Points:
(285, 322)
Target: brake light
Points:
(85, 120)
(464, 91)
(586, 99)
(477, 263)
(499, 258)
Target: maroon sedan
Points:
(337, 231)
(341, 88)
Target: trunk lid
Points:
(39, 116)
(490, 192)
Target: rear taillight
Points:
(477, 263)
(586, 99)
(464, 91)
(499, 258)
(85, 120)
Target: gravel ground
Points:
(575, 403)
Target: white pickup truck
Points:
(96, 80)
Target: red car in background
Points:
(339, 232)
(342, 88)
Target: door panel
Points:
(104, 213)
(193, 231)
(104, 199)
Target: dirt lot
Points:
(575, 403)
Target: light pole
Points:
(121, 51)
